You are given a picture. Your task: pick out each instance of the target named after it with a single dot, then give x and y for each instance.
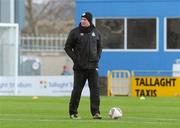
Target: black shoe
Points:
(74, 116)
(97, 116)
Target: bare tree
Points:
(52, 16)
(30, 17)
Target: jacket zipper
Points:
(89, 48)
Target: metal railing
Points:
(119, 82)
(43, 43)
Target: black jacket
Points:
(84, 48)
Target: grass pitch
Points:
(52, 112)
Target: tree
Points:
(50, 16)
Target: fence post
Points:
(109, 75)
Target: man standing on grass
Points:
(83, 46)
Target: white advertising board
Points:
(38, 86)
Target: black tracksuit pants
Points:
(80, 77)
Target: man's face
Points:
(84, 22)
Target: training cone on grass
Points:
(142, 98)
(35, 97)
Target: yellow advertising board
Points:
(155, 86)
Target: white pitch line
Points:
(87, 120)
(158, 119)
(130, 117)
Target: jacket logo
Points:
(81, 34)
(93, 34)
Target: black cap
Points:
(88, 16)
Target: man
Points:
(83, 46)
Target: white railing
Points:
(43, 43)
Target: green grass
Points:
(52, 112)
